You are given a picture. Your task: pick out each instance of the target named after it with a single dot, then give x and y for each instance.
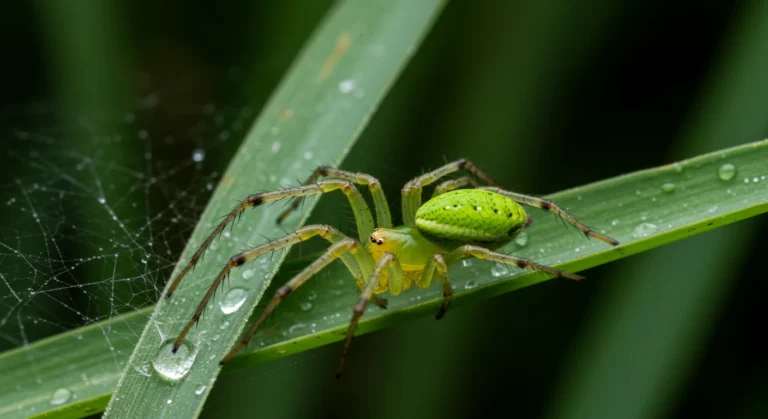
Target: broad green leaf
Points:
(643, 210)
(313, 118)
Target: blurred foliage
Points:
(544, 96)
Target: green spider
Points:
(453, 225)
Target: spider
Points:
(454, 224)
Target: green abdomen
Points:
(470, 216)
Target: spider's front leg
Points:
(387, 262)
(437, 268)
(363, 216)
(359, 264)
(383, 216)
(337, 250)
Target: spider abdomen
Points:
(470, 216)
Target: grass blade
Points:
(700, 201)
(313, 118)
(642, 210)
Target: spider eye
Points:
(380, 241)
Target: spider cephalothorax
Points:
(454, 224)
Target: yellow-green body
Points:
(445, 222)
(470, 216)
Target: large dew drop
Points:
(174, 366)
(726, 171)
(668, 187)
(233, 300)
(60, 396)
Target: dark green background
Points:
(542, 95)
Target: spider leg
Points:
(436, 267)
(548, 205)
(411, 193)
(387, 261)
(355, 263)
(383, 217)
(363, 216)
(334, 252)
(453, 184)
(483, 253)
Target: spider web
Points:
(97, 211)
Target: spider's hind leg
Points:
(548, 205)
(483, 253)
(453, 184)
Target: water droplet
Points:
(60, 396)
(233, 300)
(169, 401)
(308, 155)
(726, 171)
(668, 187)
(198, 155)
(305, 306)
(644, 230)
(521, 239)
(466, 263)
(215, 338)
(499, 270)
(102, 200)
(346, 86)
(678, 167)
(200, 389)
(174, 366)
(297, 329)
(275, 147)
(470, 284)
(224, 326)
(312, 295)
(614, 222)
(248, 273)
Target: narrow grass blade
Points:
(313, 118)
